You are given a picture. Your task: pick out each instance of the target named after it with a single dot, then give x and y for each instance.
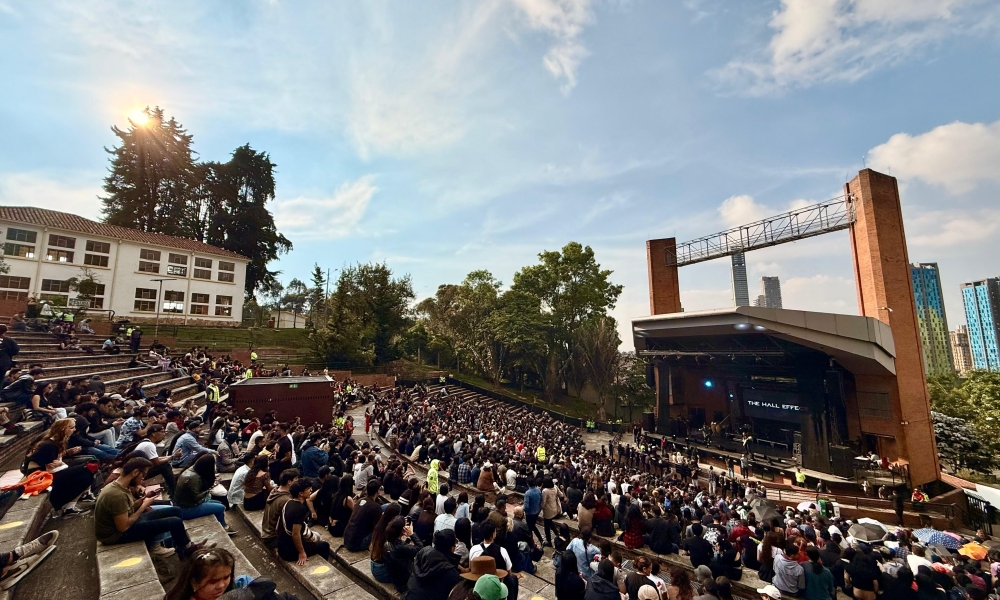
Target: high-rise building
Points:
(929, 301)
(982, 314)
(770, 291)
(960, 349)
(760, 301)
(741, 292)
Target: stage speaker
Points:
(650, 376)
(648, 422)
(842, 461)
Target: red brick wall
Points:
(664, 288)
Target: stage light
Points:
(742, 326)
(709, 383)
(759, 328)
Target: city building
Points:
(770, 292)
(982, 315)
(760, 301)
(960, 350)
(741, 292)
(933, 322)
(46, 249)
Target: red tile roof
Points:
(41, 217)
(957, 482)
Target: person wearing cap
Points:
(769, 592)
(489, 587)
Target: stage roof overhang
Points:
(862, 345)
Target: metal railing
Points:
(832, 215)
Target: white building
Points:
(45, 248)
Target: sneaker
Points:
(88, 497)
(69, 512)
(161, 550)
(230, 531)
(37, 545)
(18, 570)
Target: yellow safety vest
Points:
(540, 453)
(800, 477)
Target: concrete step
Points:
(85, 368)
(126, 571)
(106, 375)
(324, 580)
(22, 523)
(209, 528)
(63, 359)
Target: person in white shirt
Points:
(161, 464)
(489, 535)
(236, 486)
(917, 558)
(447, 519)
(442, 497)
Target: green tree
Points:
(596, 345)
(571, 288)
(86, 286)
(152, 175)
(961, 447)
(239, 220)
(369, 313)
(294, 299)
(630, 389)
(317, 297)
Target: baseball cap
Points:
(770, 591)
(489, 587)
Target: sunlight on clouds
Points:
(322, 218)
(956, 156)
(822, 41)
(564, 20)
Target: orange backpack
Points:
(37, 482)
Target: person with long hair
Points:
(192, 493)
(769, 548)
(680, 585)
(208, 574)
(322, 500)
(38, 404)
(69, 484)
(400, 548)
(257, 485)
(463, 531)
(341, 507)
(635, 527)
(602, 584)
(722, 588)
(377, 546)
(569, 584)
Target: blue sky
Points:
(444, 137)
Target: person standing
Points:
(135, 339)
(8, 350)
(897, 505)
(532, 508)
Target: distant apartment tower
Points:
(982, 314)
(741, 291)
(770, 291)
(960, 350)
(929, 301)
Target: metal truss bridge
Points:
(817, 219)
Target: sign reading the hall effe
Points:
(765, 404)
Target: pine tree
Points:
(152, 176)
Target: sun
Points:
(138, 117)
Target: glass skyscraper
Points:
(929, 300)
(741, 293)
(982, 315)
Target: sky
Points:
(445, 137)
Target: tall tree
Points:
(152, 175)
(317, 297)
(241, 221)
(295, 298)
(596, 344)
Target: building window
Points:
(202, 274)
(96, 303)
(15, 283)
(145, 300)
(225, 277)
(199, 304)
(173, 302)
(874, 405)
(223, 306)
(61, 241)
(204, 263)
(177, 259)
(64, 256)
(10, 295)
(145, 254)
(149, 267)
(175, 270)
(55, 285)
(95, 260)
(55, 299)
(226, 266)
(98, 247)
(21, 235)
(21, 250)
(226, 271)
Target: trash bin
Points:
(836, 509)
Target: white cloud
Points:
(823, 41)
(956, 156)
(937, 229)
(820, 293)
(324, 218)
(70, 193)
(564, 20)
(606, 204)
(743, 209)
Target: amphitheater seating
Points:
(22, 522)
